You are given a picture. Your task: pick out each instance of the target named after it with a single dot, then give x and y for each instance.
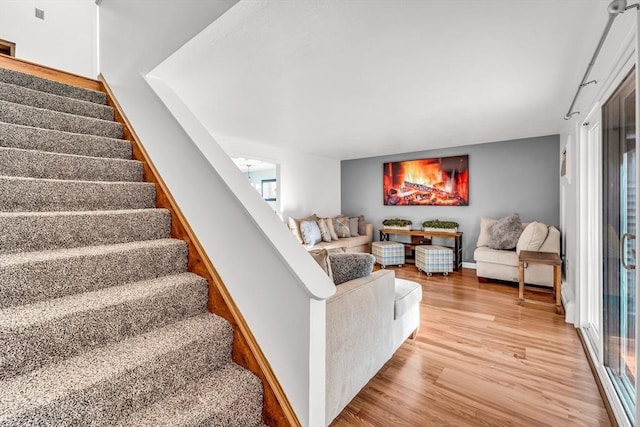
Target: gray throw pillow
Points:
(353, 226)
(341, 225)
(347, 267)
(362, 226)
(310, 232)
(505, 232)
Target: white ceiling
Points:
(349, 79)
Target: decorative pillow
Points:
(332, 230)
(294, 225)
(505, 232)
(362, 226)
(353, 226)
(321, 256)
(324, 230)
(532, 237)
(347, 267)
(310, 232)
(485, 223)
(341, 225)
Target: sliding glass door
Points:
(619, 241)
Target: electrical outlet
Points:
(40, 13)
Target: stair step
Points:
(50, 86)
(34, 98)
(46, 332)
(40, 164)
(102, 385)
(25, 115)
(230, 396)
(55, 141)
(38, 195)
(29, 277)
(40, 231)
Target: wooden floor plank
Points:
(481, 359)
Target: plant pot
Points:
(397, 227)
(440, 230)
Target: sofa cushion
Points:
(532, 237)
(408, 294)
(347, 267)
(294, 225)
(332, 231)
(310, 233)
(362, 226)
(505, 232)
(485, 223)
(353, 226)
(341, 225)
(495, 256)
(324, 230)
(321, 256)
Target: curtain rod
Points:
(615, 8)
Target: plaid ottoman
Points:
(434, 259)
(388, 253)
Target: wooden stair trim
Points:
(277, 410)
(49, 73)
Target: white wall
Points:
(282, 301)
(65, 39)
(308, 184)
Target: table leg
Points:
(521, 282)
(557, 285)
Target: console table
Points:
(419, 237)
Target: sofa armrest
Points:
(369, 228)
(359, 336)
(552, 243)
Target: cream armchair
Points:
(503, 264)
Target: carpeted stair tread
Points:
(50, 86)
(106, 383)
(40, 164)
(39, 117)
(51, 330)
(39, 231)
(34, 98)
(55, 141)
(29, 277)
(230, 396)
(19, 194)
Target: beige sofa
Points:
(351, 244)
(367, 320)
(503, 265)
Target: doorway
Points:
(619, 241)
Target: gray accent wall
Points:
(504, 177)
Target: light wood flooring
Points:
(480, 359)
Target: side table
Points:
(546, 258)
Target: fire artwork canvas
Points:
(440, 181)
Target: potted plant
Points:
(440, 226)
(397, 223)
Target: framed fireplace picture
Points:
(438, 181)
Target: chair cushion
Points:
(495, 256)
(408, 294)
(532, 237)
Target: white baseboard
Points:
(569, 303)
(471, 265)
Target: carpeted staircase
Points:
(100, 322)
